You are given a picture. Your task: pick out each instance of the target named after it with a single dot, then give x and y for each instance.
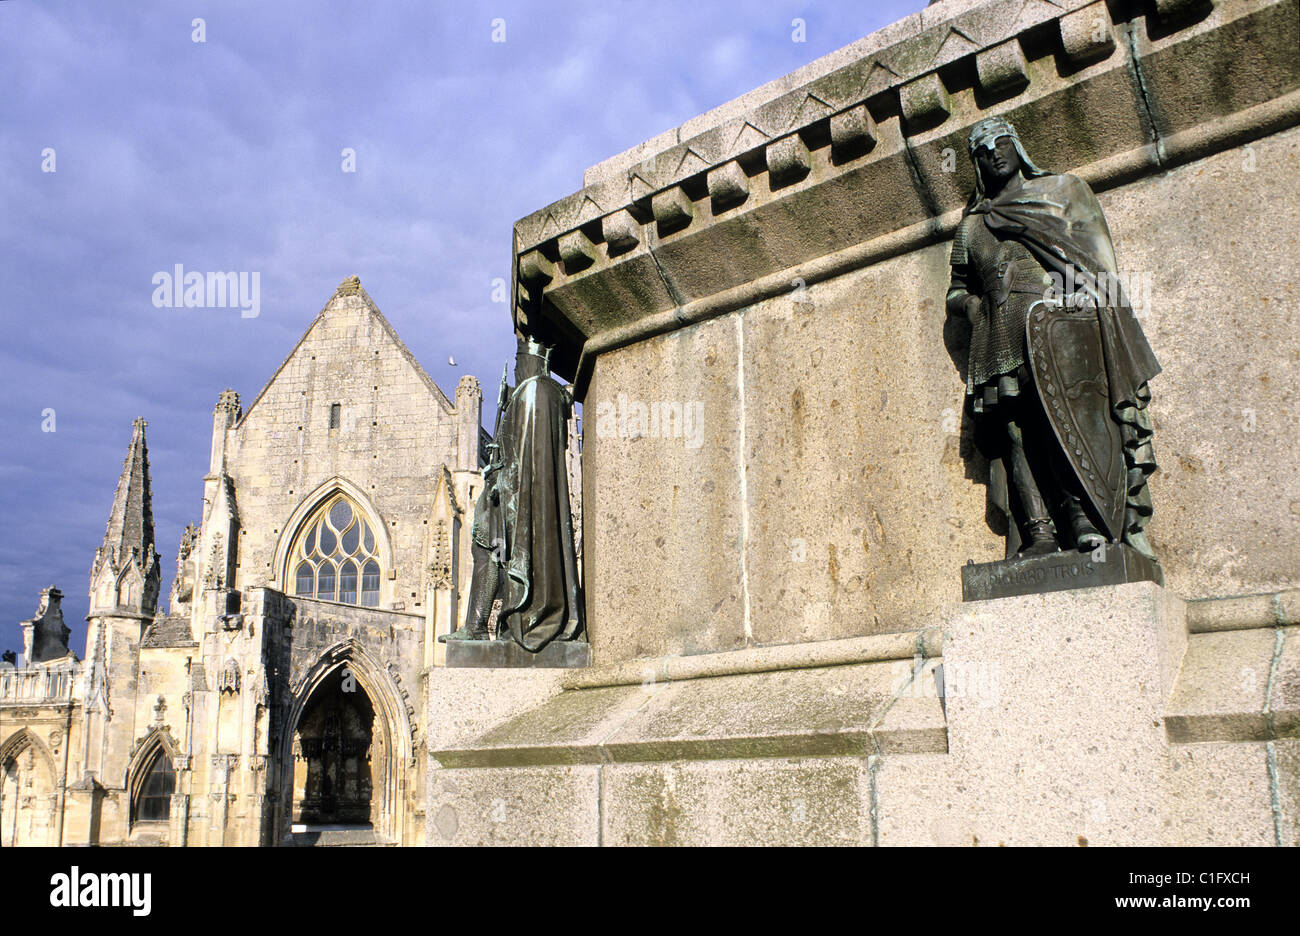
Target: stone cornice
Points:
(868, 159)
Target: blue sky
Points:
(227, 155)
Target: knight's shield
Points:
(1070, 370)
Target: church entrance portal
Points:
(332, 772)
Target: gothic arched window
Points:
(153, 802)
(336, 557)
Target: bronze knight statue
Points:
(1058, 368)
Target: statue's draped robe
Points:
(1058, 218)
(540, 596)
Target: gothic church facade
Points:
(276, 700)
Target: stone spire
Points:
(128, 540)
(130, 524)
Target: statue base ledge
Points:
(503, 654)
(1059, 571)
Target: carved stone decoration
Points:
(440, 566)
(163, 731)
(1058, 369)
(214, 576)
(228, 681)
(159, 710)
(449, 485)
(183, 587)
(469, 386)
(45, 636)
(228, 402)
(189, 536)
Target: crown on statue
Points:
(534, 348)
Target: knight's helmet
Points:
(985, 134)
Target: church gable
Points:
(352, 351)
(350, 402)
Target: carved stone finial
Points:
(228, 402)
(350, 286)
(469, 386)
(214, 577)
(189, 537)
(45, 636)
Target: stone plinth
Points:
(1058, 735)
(1050, 719)
(558, 654)
(1054, 707)
(1107, 565)
(733, 752)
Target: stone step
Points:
(336, 837)
(880, 707)
(1237, 685)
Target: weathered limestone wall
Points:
(780, 655)
(842, 406)
(1105, 716)
(38, 729)
(116, 715)
(777, 270)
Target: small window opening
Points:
(336, 414)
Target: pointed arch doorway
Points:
(335, 686)
(334, 755)
(27, 796)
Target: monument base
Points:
(1031, 575)
(480, 654)
(1065, 719)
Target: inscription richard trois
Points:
(1106, 565)
(1044, 575)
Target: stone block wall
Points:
(1102, 716)
(777, 268)
(780, 486)
(397, 431)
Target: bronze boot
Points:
(1041, 539)
(1086, 535)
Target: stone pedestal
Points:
(558, 654)
(1049, 719)
(1055, 732)
(1059, 709)
(1106, 565)
(765, 746)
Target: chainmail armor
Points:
(1008, 279)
